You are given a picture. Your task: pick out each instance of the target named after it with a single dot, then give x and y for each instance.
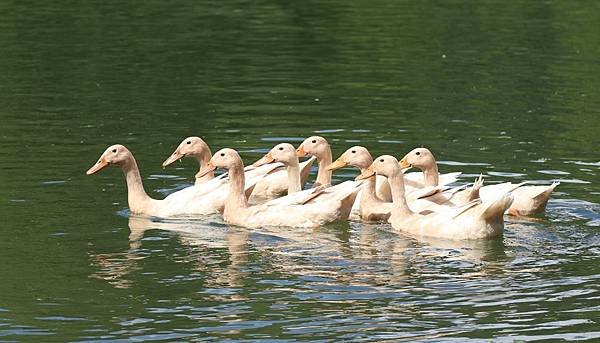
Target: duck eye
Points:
(222, 154)
(280, 148)
(381, 160)
(314, 141)
(417, 153)
(189, 142)
(354, 151)
(115, 151)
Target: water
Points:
(509, 90)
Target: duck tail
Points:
(495, 209)
(537, 196)
(474, 192)
(544, 195)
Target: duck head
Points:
(191, 146)
(283, 152)
(421, 158)
(385, 165)
(114, 154)
(356, 156)
(224, 159)
(315, 145)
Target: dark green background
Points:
(509, 89)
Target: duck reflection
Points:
(358, 254)
(477, 257)
(204, 240)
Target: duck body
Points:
(208, 197)
(275, 184)
(202, 199)
(310, 208)
(369, 207)
(473, 220)
(528, 200)
(414, 182)
(295, 214)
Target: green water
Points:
(506, 89)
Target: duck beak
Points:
(174, 157)
(369, 172)
(207, 169)
(404, 164)
(101, 164)
(268, 158)
(339, 163)
(300, 152)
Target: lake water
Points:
(506, 89)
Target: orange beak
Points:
(268, 158)
(404, 164)
(300, 152)
(207, 169)
(101, 164)
(174, 157)
(339, 163)
(369, 172)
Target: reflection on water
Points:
(358, 280)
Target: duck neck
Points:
(203, 158)
(236, 198)
(324, 176)
(396, 181)
(430, 173)
(293, 172)
(138, 199)
(369, 193)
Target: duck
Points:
(528, 200)
(271, 186)
(470, 221)
(194, 147)
(286, 153)
(318, 147)
(203, 199)
(372, 208)
(306, 211)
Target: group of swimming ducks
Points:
(270, 192)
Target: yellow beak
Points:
(268, 158)
(301, 152)
(101, 164)
(339, 163)
(174, 157)
(404, 164)
(369, 172)
(207, 169)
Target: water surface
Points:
(507, 90)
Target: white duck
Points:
(528, 200)
(473, 220)
(194, 147)
(372, 208)
(272, 185)
(206, 198)
(318, 147)
(299, 214)
(286, 154)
